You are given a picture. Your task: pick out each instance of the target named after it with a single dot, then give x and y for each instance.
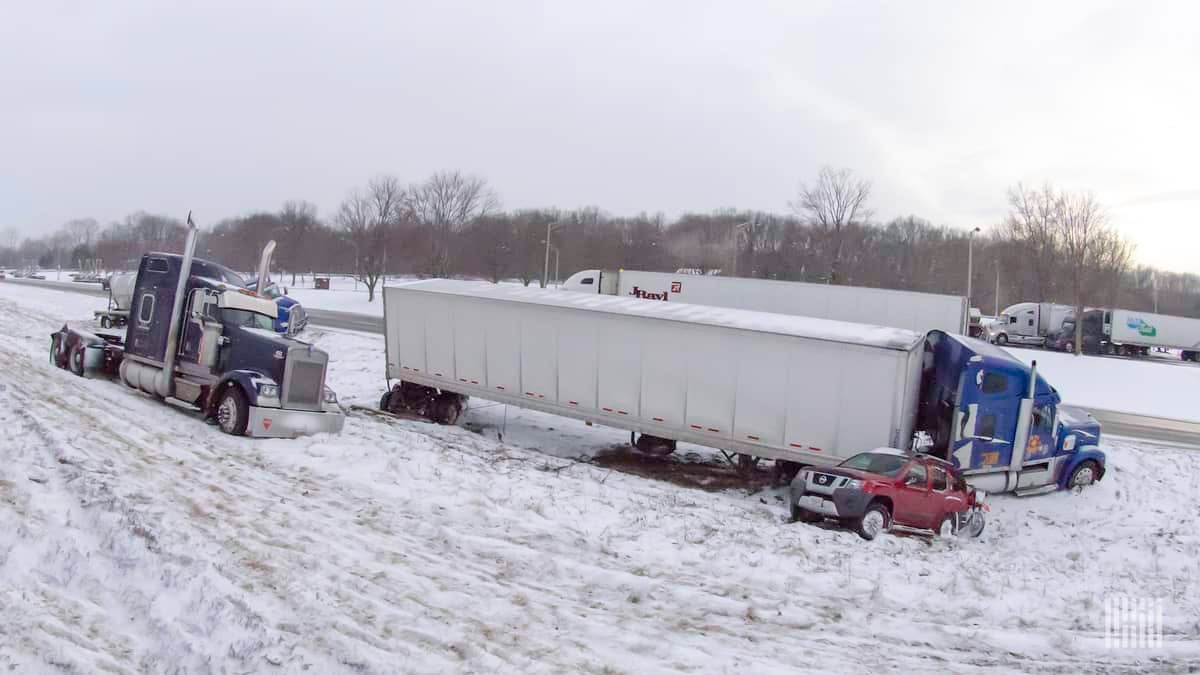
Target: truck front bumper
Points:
(283, 423)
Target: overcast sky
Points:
(109, 107)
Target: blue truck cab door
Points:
(985, 419)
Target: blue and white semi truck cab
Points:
(1001, 423)
(197, 337)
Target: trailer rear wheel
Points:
(75, 360)
(385, 401)
(447, 408)
(57, 355)
(232, 412)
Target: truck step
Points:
(1036, 490)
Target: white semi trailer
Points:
(796, 389)
(1131, 333)
(919, 312)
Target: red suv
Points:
(872, 491)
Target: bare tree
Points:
(1093, 253)
(837, 201)
(446, 203)
(1032, 226)
(367, 219)
(82, 231)
(297, 223)
(10, 237)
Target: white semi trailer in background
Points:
(1028, 323)
(795, 389)
(920, 312)
(1130, 333)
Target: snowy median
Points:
(135, 538)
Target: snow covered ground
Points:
(1162, 387)
(133, 538)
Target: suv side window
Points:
(916, 472)
(939, 478)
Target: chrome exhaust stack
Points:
(264, 266)
(164, 385)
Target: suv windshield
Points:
(876, 462)
(247, 319)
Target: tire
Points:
(948, 526)
(75, 360)
(1002, 339)
(874, 521)
(1083, 475)
(447, 409)
(57, 357)
(232, 411)
(974, 525)
(385, 401)
(800, 515)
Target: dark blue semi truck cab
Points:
(997, 420)
(197, 336)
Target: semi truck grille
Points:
(304, 381)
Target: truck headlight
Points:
(1069, 443)
(330, 397)
(268, 390)
(853, 484)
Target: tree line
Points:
(1053, 245)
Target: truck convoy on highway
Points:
(196, 337)
(921, 312)
(1028, 323)
(799, 390)
(1129, 333)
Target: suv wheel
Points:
(875, 521)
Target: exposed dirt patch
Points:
(686, 470)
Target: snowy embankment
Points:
(1145, 386)
(134, 537)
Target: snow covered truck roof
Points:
(781, 324)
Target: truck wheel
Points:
(874, 522)
(75, 360)
(1083, 475)
(446, 409)
(385, 401)
(1002, 339)
(232, 411)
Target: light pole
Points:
(555, 266)
(738, 229)
(997, 288)
(970, 261)
(550, 227)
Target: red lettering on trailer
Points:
(676, 286)
(753, 438)
(267, 423)
(530, 393)
(573, 402)
(697, 426)
(815, 449)
(607, 409)
(622, 412)
(462, 379)
(797, 445)
(474, 381)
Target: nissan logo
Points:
(822, 479)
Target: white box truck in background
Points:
(1028, 323)
(789, 388)
(920, 312)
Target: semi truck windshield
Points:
(247, 319)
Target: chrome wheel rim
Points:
(1083, 477)
(227, 414)
(872, 523)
